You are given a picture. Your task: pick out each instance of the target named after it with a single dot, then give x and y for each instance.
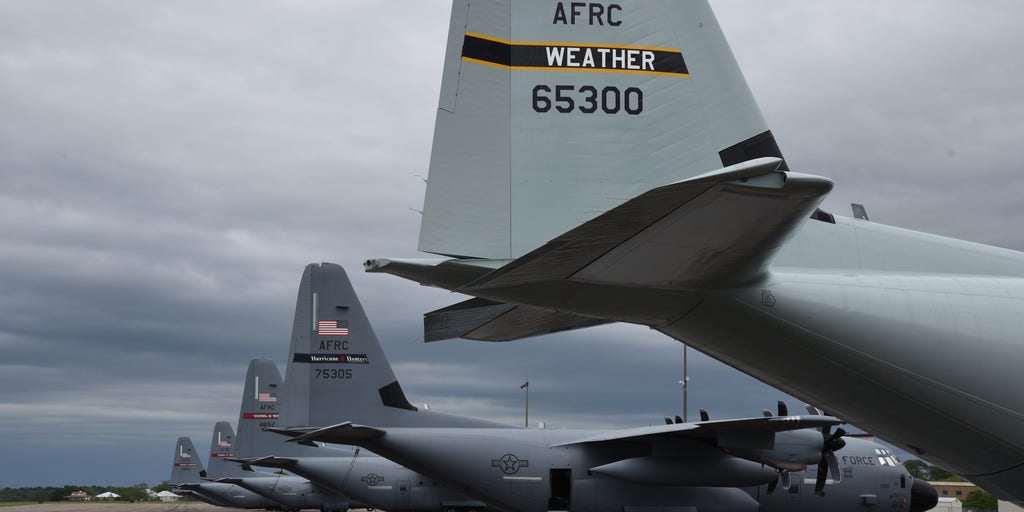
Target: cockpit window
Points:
(887, 458)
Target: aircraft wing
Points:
(713, 430)
(716, 229)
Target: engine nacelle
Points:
(682, 471)
(791, 450)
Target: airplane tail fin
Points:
(553, 113)
(222, 447)
(337, 370)
(261, 403)
(187, 467)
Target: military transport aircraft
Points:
(596, 162)
(189, 477)
(324, 474)
(187, 469)
(227, 484)
(259, 410)
(343, 381)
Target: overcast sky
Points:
(168, 168)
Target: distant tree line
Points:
(135, 492)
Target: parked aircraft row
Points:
(339, 388)
(597, 163)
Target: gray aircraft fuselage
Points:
(539, 470)
(296, 493)
(382, 484)
(236, 496)
(201, 497)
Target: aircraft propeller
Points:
(832, 442)
(828, 463)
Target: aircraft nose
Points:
(922, 496)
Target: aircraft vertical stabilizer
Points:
(552, 113)
(222, 447)
(260, 403)
(188, 467)
(337, 370)
(262, 400)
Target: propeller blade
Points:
(833, 467)
(668, 421)
(704, 416)
(767, 413)
(678, 419)
(783, 409)
(812, 410)
(828, 463)
(786, 483)
(819, 482)
(773, 485)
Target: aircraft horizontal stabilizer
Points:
(342, 433)
(225, 480)
(716, 229)
(484, 320)
(266, 462)
(447, 274)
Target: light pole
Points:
(526, 386)
(686, 379)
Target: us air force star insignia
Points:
(509, 464)
(373, 479)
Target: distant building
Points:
(107, 495)
(948, 505)
(78, 496)
(167, 496)
(958, 490)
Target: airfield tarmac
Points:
(190, 506)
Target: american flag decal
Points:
(266, 397)
(332, 327)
